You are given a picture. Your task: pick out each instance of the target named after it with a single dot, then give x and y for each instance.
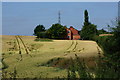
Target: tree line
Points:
(58, 31)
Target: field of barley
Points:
(27, 56)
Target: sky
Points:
(20, 18)
(0, 18)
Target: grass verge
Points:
(43, 39)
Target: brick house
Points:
(72, 34)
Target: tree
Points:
(116, 55)
(57, 31)
(86, 18)
(116, 36)
(38, 29)
(88, 30)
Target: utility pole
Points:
(59, 19)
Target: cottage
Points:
(72, 34)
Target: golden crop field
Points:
(27, 55)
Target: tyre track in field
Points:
(19, 47)
(27, 51)
(22, 47)
(76, 43)
(72, 47)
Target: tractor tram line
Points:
(21, 47)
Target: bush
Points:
(104, 69)
(39, 28)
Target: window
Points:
(68, 36)
(68, 31)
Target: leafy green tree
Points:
(57, 31)
(114, 49)
(38, 29)
(86, 18)
(116, 31)
(110, 45)
(88, 30)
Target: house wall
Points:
(69, 34)
(74, 31)
(72, 34)
(76, 37)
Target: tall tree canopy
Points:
(88, 30)
(86, 17)
(38, 29)
(57, 31)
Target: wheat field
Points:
(26, 55)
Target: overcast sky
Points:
(20, 18)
